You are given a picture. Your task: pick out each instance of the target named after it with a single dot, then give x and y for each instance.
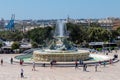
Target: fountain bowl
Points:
(60, 55)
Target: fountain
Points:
(60, 49)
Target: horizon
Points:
(51, 9)
(66, 18)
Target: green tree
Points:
(94, 25)
(118, 30)
(34, 45)
(40, 35)
(15, 45)
(98, 34)
(77, 33)
(11, 36)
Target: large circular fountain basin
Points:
(60, 55)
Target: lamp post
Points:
(108, 38)
(109, 42)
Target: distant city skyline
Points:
(59, 9)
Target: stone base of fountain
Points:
(61, 56)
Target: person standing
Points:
(43, 64)
(99, 63)
(1, 61)
(116, 50)
(85, 67)
(96, 67)
(21, 61)
(111, 61)
(11, 60)
(104, 63)
(80, 62)
(21, 74)
(106, 53)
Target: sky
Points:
(59, 9)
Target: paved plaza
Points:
(12, 71)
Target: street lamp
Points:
(109, 42)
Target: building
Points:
(106, 23)
(116, 23)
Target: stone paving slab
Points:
(12, 72)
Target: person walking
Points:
(33, 69)
(21, 74)
(84, 67)
(76, 64)
(51, 64)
